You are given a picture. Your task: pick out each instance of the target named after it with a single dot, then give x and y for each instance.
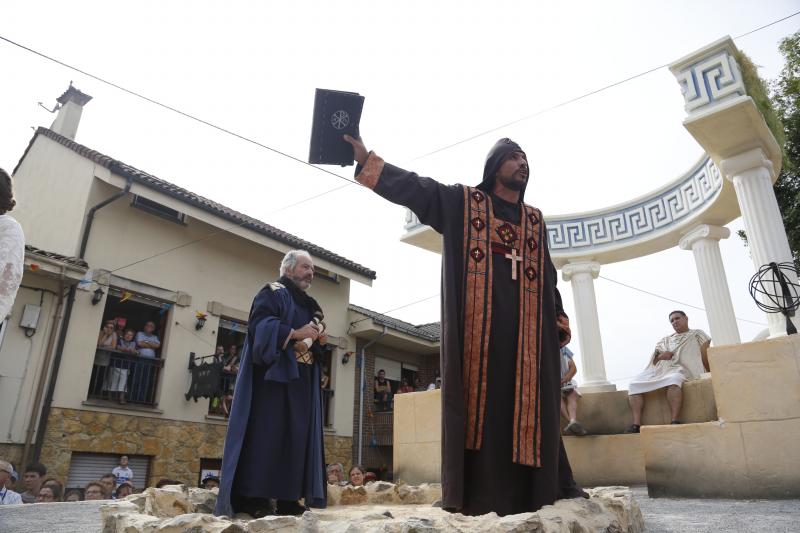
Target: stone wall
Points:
(13, 454)
(338, 450)
(175, 447)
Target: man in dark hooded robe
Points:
(274, 447)
(502, 327)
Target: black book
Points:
(336, 113)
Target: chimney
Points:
(69, 113)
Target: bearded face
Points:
(513, 172)
(303, 272)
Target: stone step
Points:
(603, 460)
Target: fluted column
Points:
(751, 173)
(703, 241)
(582, 275)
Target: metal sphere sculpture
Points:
(775, 292)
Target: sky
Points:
(433, 74)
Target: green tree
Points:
(786, 102)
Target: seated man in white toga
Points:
(677, 358)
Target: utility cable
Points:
(673, 300)
(581, 97)
(173, 109)
(296, 159)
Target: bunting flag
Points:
(84, 281)
(126, 296)
(34, 267)
(164, 308)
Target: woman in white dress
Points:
(12, 248)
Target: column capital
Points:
(580, 267)
(751, 159)
(703, 231)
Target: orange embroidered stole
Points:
(483, 235)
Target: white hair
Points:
(290, 260)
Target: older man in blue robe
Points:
(274, 448)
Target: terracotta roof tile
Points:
(206, 204)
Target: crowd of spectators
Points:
(35, 488)
(120, 378)
(383, 395)
(357, 476)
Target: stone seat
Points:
(608, 413)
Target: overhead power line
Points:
(673, 300)
(581, 97)
(298, 160)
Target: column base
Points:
(597, 386)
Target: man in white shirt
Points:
(123, 473)
(7, 496)
(677, 358)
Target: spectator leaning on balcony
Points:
(7, 496)
(232, 360)
(219, 354)
(108, 336)
(383, 391)
(147, 342)
(116, 382)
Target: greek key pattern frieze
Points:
(710, 80)
(639, 220)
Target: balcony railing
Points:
(124, 377)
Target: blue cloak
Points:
(281, 447)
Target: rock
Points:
(334, 495)
(139, 499)
(198, 522)
(129, 523)
(117, 507)
(166, 502)
(381, 492)
(353, 496)
(289, 524)
(203, 500)
(413, 525)
(620, 501)
(409, 494)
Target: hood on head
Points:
(494, 159)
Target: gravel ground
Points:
(682, 515)
(661, 515)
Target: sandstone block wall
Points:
(752, 451)
(418, 437)
(175, 447)
(608, 413)
(338, 450)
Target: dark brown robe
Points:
(501, 444)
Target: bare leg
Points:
(572, 405)
(674, 399)
(637, 404)
(564, 412)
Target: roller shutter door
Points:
(86, 467)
